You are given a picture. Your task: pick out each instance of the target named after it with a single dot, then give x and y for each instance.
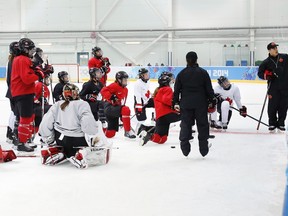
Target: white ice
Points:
(243, 174)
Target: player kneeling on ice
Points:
(114, 96)
(165, 115)
(79, 138)
(225, 93)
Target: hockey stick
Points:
(251, 117)
(263, 106)
(50, 82)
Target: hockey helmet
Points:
(141, 73)
(70, 92)
(14, 48)
(97, 52)
(164, 80)
(224, 82)
(95, 73)
(27, 47)
(61, 76)
(120, 77)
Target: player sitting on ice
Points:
(115, 96)
(142, 97)
(165, 115)
(78, 138)
(226, 93)
(58, 89)
(91, 93)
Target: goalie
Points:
(79, 139)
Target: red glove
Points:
(269, 75)
(91, 97)
(138, 109)
(38, 71)
(229, 100)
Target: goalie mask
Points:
(95, 73)
(122, 78)
(70, 92)
(224, 82)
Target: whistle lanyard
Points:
(276, 63)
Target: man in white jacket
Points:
(78, 136)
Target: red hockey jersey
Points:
(38, 91)
(163, 101)
(95, 62)
(117, 90)
(23, 77)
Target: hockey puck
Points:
(173, 146)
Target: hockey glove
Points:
(91, 97)
(243, 111)
(229, 100)
(38, 71)
(48, 69)
(269, 75)
(113, 98)
(104, 69)
(218, 97)
(138, 109)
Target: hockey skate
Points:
(129, 134)
(144, 137)
(11, 137)
(31, 143)
(213, 124)
(224, 126)
(24, 147)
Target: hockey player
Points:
(91, 93)
(23, 88)
(226, 93)
(142, 96)
(115, 96)
(58, 89)
(165, 115)
(11, 134)
(78, 138)
(98, 61)
(42, 95)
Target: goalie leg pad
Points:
(90, 156)
(52, 156)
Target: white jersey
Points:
(141, 91)
(233, 93)
(75, 121)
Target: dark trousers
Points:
(188, 117)
(70, 144)
(277, 108)
(163, 123)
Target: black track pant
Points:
(188, 117)
(277, 108)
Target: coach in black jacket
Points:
(274, 69)
(192, 91)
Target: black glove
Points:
(91, 97)
(45, 100)
(114, 98)
(38, 71)
(243, 111)
(218, 97)
(104, 69)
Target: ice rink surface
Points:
(243, 174)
